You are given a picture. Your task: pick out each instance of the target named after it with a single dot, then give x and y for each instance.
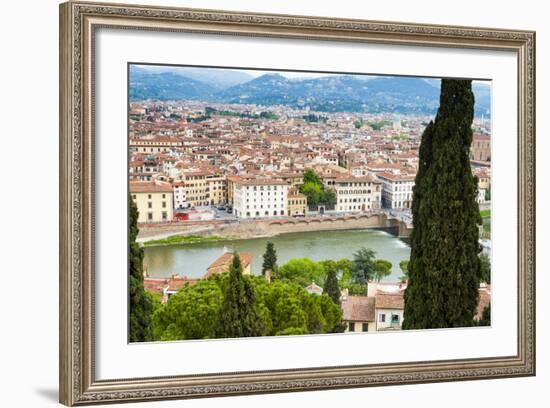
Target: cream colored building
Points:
(355, 194)
(199, 189)
(397, 189)
(297, 203)
(154, 200)
(358, 313)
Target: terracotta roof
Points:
(173, 284)
(150, 187)
(390, 300)
(314, 288)
(358, 308)
(222, 264)
(261, 182)
(397, 177)
(363, 179)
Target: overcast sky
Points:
(257, 73)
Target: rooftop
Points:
(358, 308)
(222, 264)
(150, 187)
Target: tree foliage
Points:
(315, 191)
(192, 313)
(270, 258)
(331, 284)
(239, 315)
(485, 265)
(444, 268)
(141, 305)
(382, 268)
(404, 266)
(363, 266)
(302, 271)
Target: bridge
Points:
(401, 225)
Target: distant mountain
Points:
(215, 77)
(338, 93)
(334, 93)
(166, 85)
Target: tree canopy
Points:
(239, 315)
(363, 266)
(444, 268)
(282, 308)
(270, 258)
(141, 305)
(316, 192)
(302, 271)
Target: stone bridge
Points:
(340, 222)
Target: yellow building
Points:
(358, 313)
(203, 188)
(153, 199)
(297, 203)
(217, 189)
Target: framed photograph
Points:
(255, 203)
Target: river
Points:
(192, 259)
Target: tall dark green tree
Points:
(270, 258)
(331, 284)
(239, 315)
(444, 268)
(141, 305)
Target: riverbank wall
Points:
(246, 229)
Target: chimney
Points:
(371, 288)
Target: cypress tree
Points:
(331, 286)
(239, 315)
(270, 258)
(141, 305)
(444, 268)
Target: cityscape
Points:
(288, 192)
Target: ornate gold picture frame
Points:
(78, 24)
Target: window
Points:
(149, 196)
(164, 204)
(164, 215)
(394, 319)
(382, 317)
(150, 216)
(149, 205)
(365, 327)
(351, 326)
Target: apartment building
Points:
(355, 194)
(154, 200)
(254, 198)
(397, 189)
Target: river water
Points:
(192, 260)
